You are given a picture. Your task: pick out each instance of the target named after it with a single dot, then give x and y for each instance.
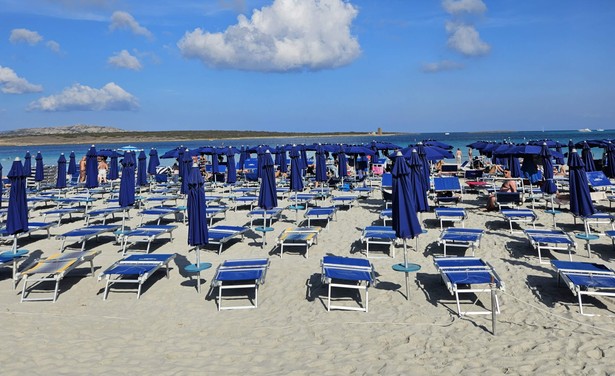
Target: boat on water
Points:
(585, 130)
(599, 130)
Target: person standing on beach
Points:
(102, 170)
(82, 164)
(458, 156)
(469, 154)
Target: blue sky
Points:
(308, 65)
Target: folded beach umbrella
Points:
(231, 171)
(243, 155)
(587, 157)
(180, 160)
(39, 173)
(61, 179)
(142, 169)
(27, 164)
(548, 186)
(420, 149)
(1, 185)
(91, 168)
(114, 172)
(154, 162)
(304, 158)
(267, 195)
(610, 160)
(197, 212)
(419, 195)
(529, 169)
(184, 169)
(570, 148)
(514, 166)
(580, 199)
(342, 163)
(559, 159)
(127, 185)
(72, 164)
(321, 164)
(17, 213)
(405, 221)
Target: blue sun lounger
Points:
(299, 236)
(378, 235)
(240, 274)
(386, 215)
(135, 269)
(32, 227)
(468, 275)
(552, 240)
(344, 200)
(596, 219)
(10, 258)
(144, 234)
(221, 234)
(102, 214)
(519, 216)
(215, 211)
(85, 200)
(328, 214)
(347, 273)
(268, 215)
(160, 200)
(53, 269)
(63, 212)
(460, 237)
(446, 189)
(82, 235)
(585, 278)
(451, 215)
(247, 200)
(160, 212)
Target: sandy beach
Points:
(173, 330)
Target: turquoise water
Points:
(456, 139)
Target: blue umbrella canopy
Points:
(231, 171)
(184, 169)
(280, 159)
(296, 178)
(267, 196)
(39, 174)
(114, 172)
(588, 158)
(127, 182)
(529, 169)
(91, 168)
(72, 164)
(438, 144)
(610, 160)
(580, 198)
(142, 169)
(154, 162)
(514, 166)
(419, 195)
(17, 214)
(559, 159)
(321, 164)
(61, 179)
(197, 210)
(27, 164)
(405, 221)
(548, 186)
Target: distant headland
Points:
(104, 134)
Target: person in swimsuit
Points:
(509, 185)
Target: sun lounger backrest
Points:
(473, 174)
(448, 168)
(448, 183)
(597, 179)
(387, 180)
(508, 199)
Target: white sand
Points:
(174, 330)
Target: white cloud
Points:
(124, 20)
(53, 46)
(440, 66)
(26, 36)
(464, 6)
(287, 35)
(124, 59)
(79, 97)
(10, 83)
(465, 39)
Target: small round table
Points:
(197, 269)
(407, 268)
(588, 238)
(264, 230)
(553, 212)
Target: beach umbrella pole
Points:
(493, 305)
(406, 268)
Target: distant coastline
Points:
(160, 136)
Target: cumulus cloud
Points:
(110, 97)
(10, 83)
(25, 36)
(465, 39)
(287, 35)
(53, 46)
(464, 6)
(123, 20)
(440, 66)
(124, 59)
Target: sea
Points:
(459, 140)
